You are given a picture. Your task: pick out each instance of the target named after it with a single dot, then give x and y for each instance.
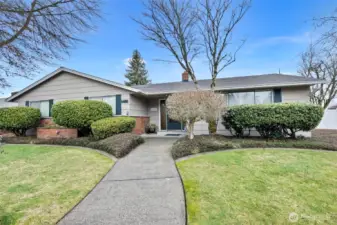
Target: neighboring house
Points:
(147, 102)
(5, 104)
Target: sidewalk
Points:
(143, 188)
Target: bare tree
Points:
(172, 25)
(218, 18)
(34, 33)
(329, 35)
(186, 107)
(213, 104)
(320, 63)
(188, 28)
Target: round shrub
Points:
(109, 126)
(274, 120)
(19, 119)
(80, 114)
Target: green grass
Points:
(261, 187)
(39, 184)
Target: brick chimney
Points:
(184, 77)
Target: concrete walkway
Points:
(143, 188)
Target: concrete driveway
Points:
(142, 188)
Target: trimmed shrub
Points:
(110, 126)
(19, 119)
(118, 145)
(80, 114)
(204, 143)
(273, 120)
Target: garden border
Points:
(74, 146)
(246, 149)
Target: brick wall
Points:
(326, 135)
(141, 122)
(50, 133)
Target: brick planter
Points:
(141, 122)
(52, 133)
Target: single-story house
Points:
(147, 102)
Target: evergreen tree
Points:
(136, 72)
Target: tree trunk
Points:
(190, 128)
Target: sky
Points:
(276, 32)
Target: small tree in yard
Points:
(192, 106)
(136, 72)
(186, 107)
(213, 105)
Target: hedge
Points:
(80, 114)
(19, 119)
(110, 126)
(208, 143)
(273, 120)
(118, 145)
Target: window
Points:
(111, 100)
(240, 98)
(44, 107)
(253, 97)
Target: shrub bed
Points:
(118, 145)
(110, 126)
(19, 119)
(80, 114)
(273, 120)
(204, 143)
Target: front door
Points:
(167, 123)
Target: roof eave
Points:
(62, 69)
(247, 87)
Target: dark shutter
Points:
(86, 98)
(51, 102)
(27, 103)
(118, 105)
(277, 95)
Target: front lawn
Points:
(39, 184)
(261, 187)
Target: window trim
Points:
(49, 112)
(271, 90)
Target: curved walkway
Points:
(143, 188)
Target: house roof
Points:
(231, 83)
(63, 69)
(227, 84)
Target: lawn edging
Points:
(78, 147)
(118, 145)
(184, 191)
(246, 149)
(211, 143)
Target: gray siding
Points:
(153, 111)
(66, 86)
(138, 106)
(296, 94)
